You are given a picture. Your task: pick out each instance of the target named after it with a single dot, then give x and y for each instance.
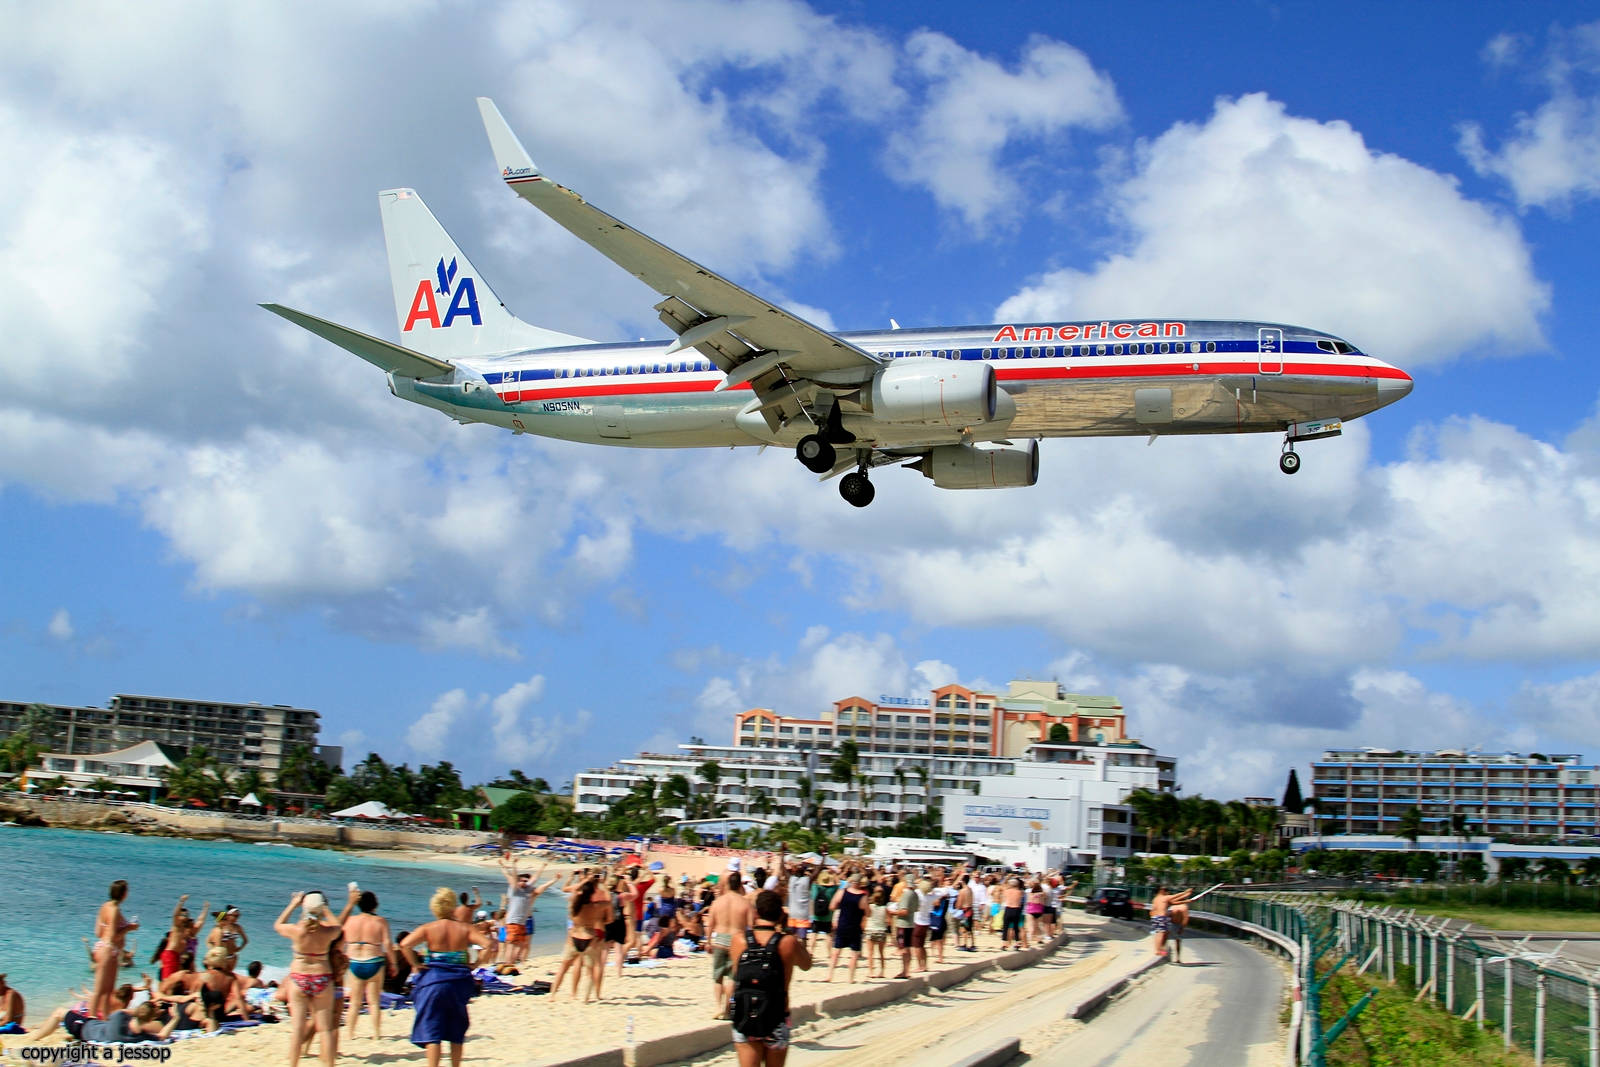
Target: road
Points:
(1219, 1007)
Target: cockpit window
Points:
(1342, 348)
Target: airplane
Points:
(966, 406)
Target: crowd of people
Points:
(757, 920)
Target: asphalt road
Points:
(1220, 1007)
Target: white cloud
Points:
(430, 736)
(974, 109)
(60, 626)
(1552, 156)
(1257, 214)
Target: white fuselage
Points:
(1111, 378)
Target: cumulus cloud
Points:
(1258, 214)
(973, 108)
(486, 734)
(431, 733)
(1551, 157)
(60, 626)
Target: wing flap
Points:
(375, 350)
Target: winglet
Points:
(514, 162)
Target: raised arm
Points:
(282, 926)
(177, 908)
(349, 904)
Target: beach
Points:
(649, 1003)
(646, 1005)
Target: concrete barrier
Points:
(996, 1056)
(802, 1013)
(956, 975)
(1096, 999)
(682, 1046)
(1015, 961)
(611, 1057)
(872, 996)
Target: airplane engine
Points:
(935, 392)
(971, 467)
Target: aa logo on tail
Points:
(425, 307)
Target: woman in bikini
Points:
(443, 982)
(591, 912)
(228, 934)
(371, 951)
(219, 989)
(109, 930)
(310, 982)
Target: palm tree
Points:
(1240, 818)
(646, 793)
(710, 773)
(1554, 870)
(1513, 867)
(1590, 867)
(900, 785)
(676, 791)
(844, 766)
(302, 772)
(1410, 825)
(763, 803)
(923, 775)
(862, 783)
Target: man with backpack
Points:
(759, 1008)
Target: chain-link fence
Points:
(1538, 1001)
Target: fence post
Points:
(1594, 1025)
(1388, 950)
(1538, 1016)
(1450, 976)
(1433, 965)
(1510, 981)
(1477, 973)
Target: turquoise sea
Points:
(55, 880)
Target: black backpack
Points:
(760, 999)
(937, 916)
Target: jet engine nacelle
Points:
(935, 392)
(971, 467)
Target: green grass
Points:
(1395, 1032)
(1497, 918)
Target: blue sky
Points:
(196, 499)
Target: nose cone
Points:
(1395, 388)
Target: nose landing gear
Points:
(1289, 461)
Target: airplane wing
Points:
(378, 352)
(749, 338)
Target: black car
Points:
(1110, 900)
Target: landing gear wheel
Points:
(815, 454)
(1289, 462)
(856, 490)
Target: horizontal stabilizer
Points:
(378, 352)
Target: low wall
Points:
(153, 818)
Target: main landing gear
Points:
(856, 489)
(816, 454)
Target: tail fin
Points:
(444, 306)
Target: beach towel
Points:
(440, 994)
(391, 1001)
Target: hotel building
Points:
(1366, 791)
(245, 736)
(915, 753)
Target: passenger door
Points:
(1271, 350)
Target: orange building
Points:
(951, 721)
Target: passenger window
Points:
(986, 353)
(1163, 347)
(1211, 346)
(1116, 350)
(1100, 350)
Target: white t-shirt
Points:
(926, 902)
(980, 895)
